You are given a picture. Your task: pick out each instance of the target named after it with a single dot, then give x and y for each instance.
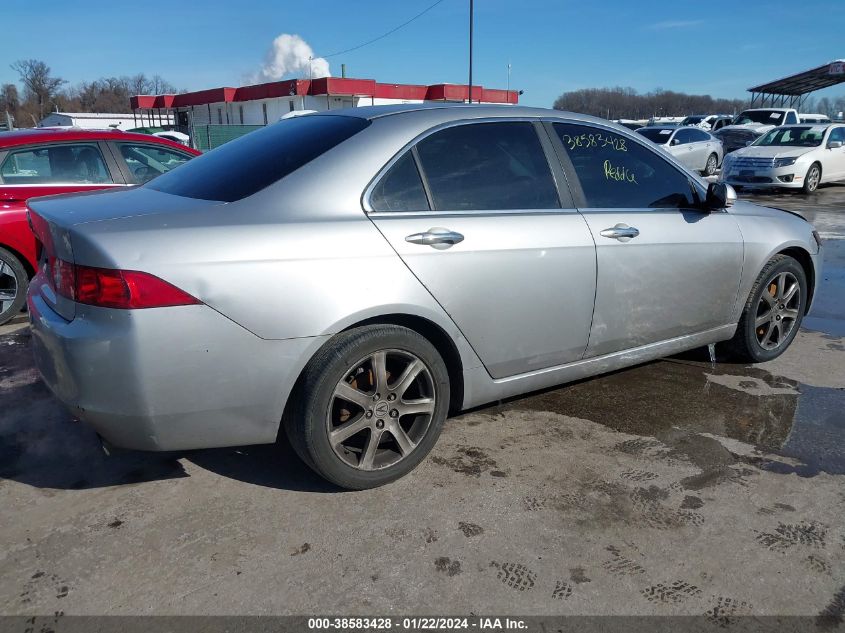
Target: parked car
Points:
(360, 273)
(175, 136)
(813, 118)
(749, 125)
(704, 121)
(790, 156)
(695, 148)
(720, 121)
(40, 162)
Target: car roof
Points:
(33, 136)
(663, 127)
(460, 111)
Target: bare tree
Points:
(38, 84)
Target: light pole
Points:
(470, 51)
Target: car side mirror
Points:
(720, 195)
(748, 143)
(675, 142)
(834, 144)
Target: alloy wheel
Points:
(777, 310)
(813, 178)
(381, 410)
(710, 168)
(8, 287)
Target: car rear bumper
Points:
(166, 378)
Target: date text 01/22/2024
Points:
(416, 624)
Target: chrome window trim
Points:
(365, 198)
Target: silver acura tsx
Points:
(350, 278)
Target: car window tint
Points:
(682, 136)
(617, 172)
(401, 188)
(77, 164)
(791, 118)
(697, 136)
(487, 166)
(145, 162)
(837, 134)
(256, 160)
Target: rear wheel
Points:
(813, 178)
(772, 313)
(711, 165)
(14, 281)
(369, 406)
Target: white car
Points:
(176, 137)
(692, 146)
(790, 156)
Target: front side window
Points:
(145, 162)
(791, 118)
(837, 134)
(77, 164)
(698, 136)
(616, 172)
(401, 188)
(487, 166)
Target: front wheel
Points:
(14, 281)
(813, 178)
(772, 313)
(711, 165)
(369, 406)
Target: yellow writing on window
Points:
(597, 140)
(618, 173)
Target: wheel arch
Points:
(23, 260)
(802, 256)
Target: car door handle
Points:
(436, 237)
(621, 232)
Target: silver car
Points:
(693, 147)
(350, 278)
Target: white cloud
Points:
(291, 56)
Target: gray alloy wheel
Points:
(712, 164)
(773, 312)
(369, 406)
(777, 310)
(813, 178)
(14, 281)
(381, 409)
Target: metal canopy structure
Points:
(790, 92)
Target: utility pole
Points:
(470, 51)
(509, 76)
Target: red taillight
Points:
(122, 289)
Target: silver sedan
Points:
(350, 278)
(693, 147)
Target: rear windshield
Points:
(256, 160)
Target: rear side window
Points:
(256, 160)
(616, 172)
(401, 188)
(145, 162)
(76, 164)
(487, 166)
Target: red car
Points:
(46, 161)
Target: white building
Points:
(94, 120)
(261, 104)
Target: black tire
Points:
(14, 280)
(745, 344)
(710, 167)
(812, 183)
(307, 421)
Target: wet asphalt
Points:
(682, 486)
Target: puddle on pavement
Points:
(678, 399)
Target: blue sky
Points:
(720, 47)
